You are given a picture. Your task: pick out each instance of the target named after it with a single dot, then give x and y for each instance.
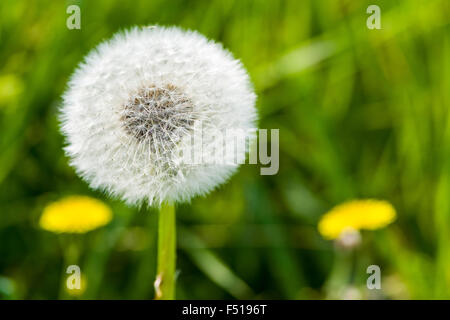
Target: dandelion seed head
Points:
(131, 108)
(158, 114)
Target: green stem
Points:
(165, 273)
(71, 253)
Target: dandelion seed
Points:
(131, 108)
(130, 113)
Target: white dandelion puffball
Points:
(132, 106)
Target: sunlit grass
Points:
(362, 114)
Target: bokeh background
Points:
(362, 114)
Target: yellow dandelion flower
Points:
(356, 215)
(75, 214)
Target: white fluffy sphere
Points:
(132, 106)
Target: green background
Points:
(362, 114)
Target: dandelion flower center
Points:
(158, 114)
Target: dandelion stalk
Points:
(165, 274)
(71, 254)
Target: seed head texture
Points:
(131, 109)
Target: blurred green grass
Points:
(361, 113)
